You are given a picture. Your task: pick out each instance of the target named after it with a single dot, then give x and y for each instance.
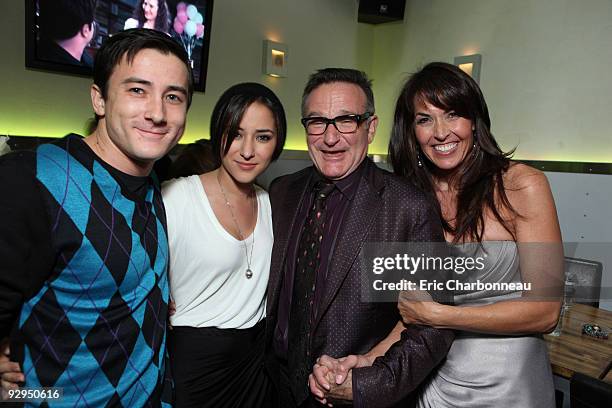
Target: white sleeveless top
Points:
(208, 265)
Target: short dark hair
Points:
(62, 19)
(129, 43)
(329, 75)
(162, 21)
(230, 109)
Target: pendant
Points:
(248, 273)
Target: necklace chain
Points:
(249, 259)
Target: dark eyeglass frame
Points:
(359, 119)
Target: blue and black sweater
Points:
(83, 282)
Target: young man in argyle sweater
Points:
(83, 248)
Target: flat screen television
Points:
(64, 35)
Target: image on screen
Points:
(64, 35)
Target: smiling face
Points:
(144, 113)
(336, 155)
(444, 137)
(149, 7)
(252, 149)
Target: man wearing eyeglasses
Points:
(314, 296)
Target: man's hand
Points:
(10, 373)
(342, 393)
(332, 378)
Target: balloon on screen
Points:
(192, 11)
(178, 26)
(190, 28)
(182, 16)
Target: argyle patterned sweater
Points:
(83, 282)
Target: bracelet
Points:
(594, 330)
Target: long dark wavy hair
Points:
(162, 21)
(479, 178)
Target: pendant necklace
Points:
(248, 273)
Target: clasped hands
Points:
(331, 380)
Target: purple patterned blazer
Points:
(386, 208)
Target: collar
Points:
(347, 186)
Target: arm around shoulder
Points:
(25, 241)
(403, 367)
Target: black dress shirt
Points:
(337, 203)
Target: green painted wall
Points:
(545, 69)
(319, 33)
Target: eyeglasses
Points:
(316, 125)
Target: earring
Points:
(419, 162)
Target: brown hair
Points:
(480, 175)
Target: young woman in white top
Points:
(220, 237)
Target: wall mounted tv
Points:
(64, 35)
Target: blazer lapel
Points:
(358, 221)
(284, 218)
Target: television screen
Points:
(64, 35)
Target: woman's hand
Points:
(418, 307)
